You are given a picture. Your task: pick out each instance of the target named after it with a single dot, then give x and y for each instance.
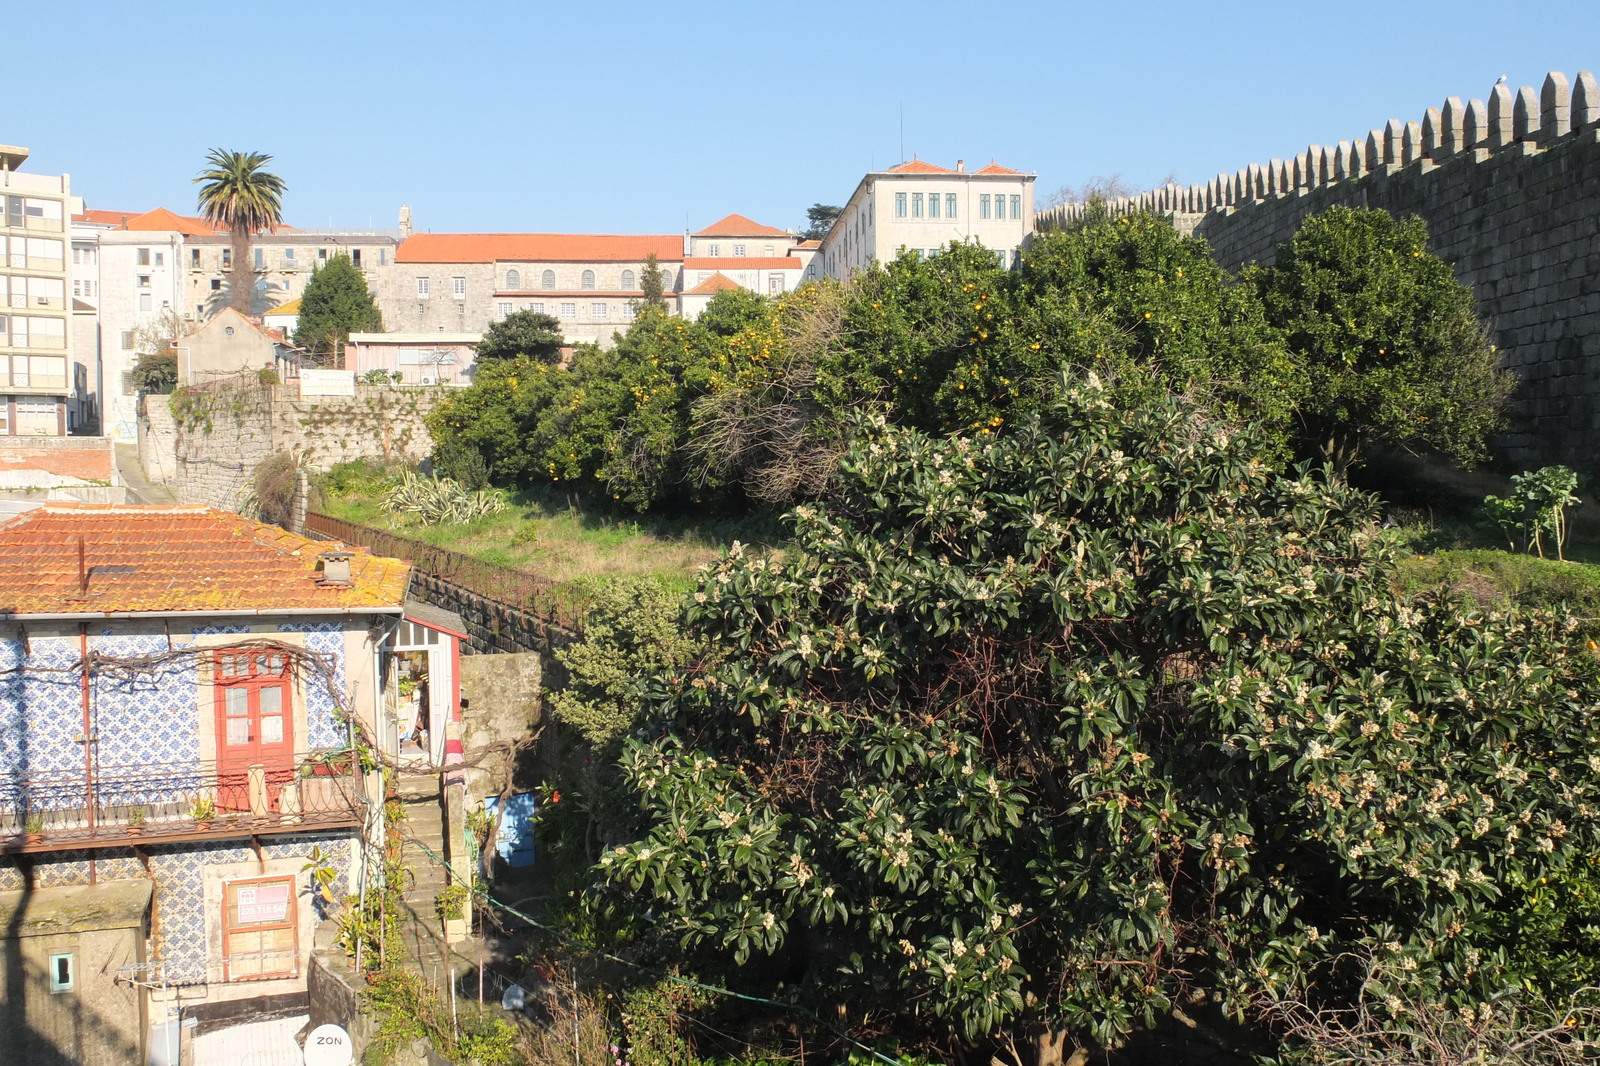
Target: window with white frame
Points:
(569, 310)
(586, 281)
(505, 308)
(1016, 207)
(160, 259)
(933, 205)
(775, 284)
(949, 205)
(597, 311)
(628, 281)
(537, 306)
(916, 205)
(899, 205)
(513, 280)
(714, 249)
(738, 249)
(422, 288)
(983, 206)
(547, 280)
(458, 288)
(141, 257)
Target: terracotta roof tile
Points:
(537, 247)
(742, 262)
(106, 218)
(163, 221)
(737, 225)
(718, 282)
(917, 166)
(175, 558)
(996, 168)
(809, 244)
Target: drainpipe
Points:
(88, 735)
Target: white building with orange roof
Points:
(922, 207)
(751, 255)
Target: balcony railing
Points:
(58, 810)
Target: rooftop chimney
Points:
(405, 221)
(961, 166)
(335, 571)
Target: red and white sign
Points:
(263, 903)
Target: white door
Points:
(269, 1043)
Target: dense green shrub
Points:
(1056, 731)
(1389, 343)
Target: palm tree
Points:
(235, 191)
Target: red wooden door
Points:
(255, 727)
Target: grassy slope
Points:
(554, 539)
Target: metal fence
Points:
(502, 584)
(46, 810)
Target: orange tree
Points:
(1053, 731)
(1387, 341)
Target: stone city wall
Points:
(1510, 190)
(205, 444)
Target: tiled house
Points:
(180, 688)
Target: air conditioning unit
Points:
(427, 379)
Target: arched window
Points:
(627, 281)
(513, 280)
(549, 279)
(588, 279)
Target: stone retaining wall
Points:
(205, 444)
(1510, 190)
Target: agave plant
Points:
(440, 500)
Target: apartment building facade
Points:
(923, 207)
(36, 317)
(155, 275)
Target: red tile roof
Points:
(176, 558)
(537, 247)
(163, 221)
(742, 262)
(716, 283)
(739, 226)
(106, 218)
(917, 166)
(809, 244)
(996, 168)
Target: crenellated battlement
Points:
(1510, 189)
(1523, 122)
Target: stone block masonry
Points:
(1510, 190)
(206, 444)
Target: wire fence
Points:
(504, 585)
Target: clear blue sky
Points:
(622, 117)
